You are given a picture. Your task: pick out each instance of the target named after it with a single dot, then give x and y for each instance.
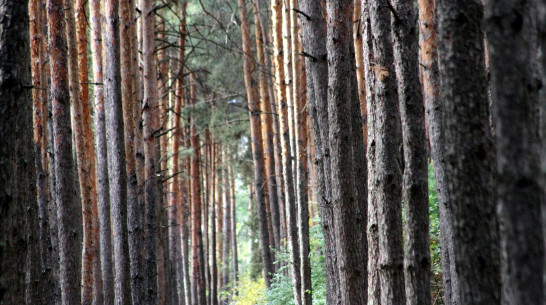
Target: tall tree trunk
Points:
(197, 239)
(84, 148)
(300, 114)
(116, 152)
(359, 57)
(469, 157)
(68, 213)
(285, 112)
(314, 44)
(226, 202)
(372, 230)
(103, 189)
(256, 136)
(267, 130)
(389, 163)
(185, 216)
(212, 251)
(40, 113)
(151, 126)
(434, 120)
(233, 209)
(135, 210)
(541, 9)
(17, 167)
(345, 205)
(509, 31)
(415, 178)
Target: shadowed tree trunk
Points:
(469, 151)
(151, 126)
(256, 139)
(434, 120)
(415, 178)
(509, 33)
(314, 44)
(345, 205)
(17, 166)
(389, 163)
(135, 209)
(68, 213)
(116, 152)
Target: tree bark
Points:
(68, 214)
(151, 126)
(469, 151)
(389, 162)
(434, 120)
(17, 165)
(314, 44)
(345, 205)
(359, 57)
(509, 31)
(103, 190)
(116, 152)
(233, 208)
(256, 139)
(415, 177)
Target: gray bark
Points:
(415, 178)
(17, 171)
(117, 174)
(314, 44)
(469, 152)
(389, 163)
(68, 213)
(518, 200)
(341, 82)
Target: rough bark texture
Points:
(151, 125)
(103, 189)
(469, 151)
(415, 178)
(434, 120)
(38, 43)
(84, 151)
(345, 204)
(518, 197)
(17, 167)
(257, 144)
(68, 212)
(541, 9)
(117, 175)
(389, 163)
(135, 209)
(314, 44)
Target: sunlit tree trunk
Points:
(359, 57)
(256, 138)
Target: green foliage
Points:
(250, 290)
(434, 235)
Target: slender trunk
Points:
(197, 238)
(151, 126)
(468, 143)
(359, 57)
(226, 200)
(212, 252)
(185, 217)
(256, 136)
(67, 213)
(518, 198)
(40, 112)
(233, 209)
(415, 179)
(17, 168)
(434, 121)
(116, 152)
(389, 162)
(314, 44)
(267, 132)
(541, 9)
